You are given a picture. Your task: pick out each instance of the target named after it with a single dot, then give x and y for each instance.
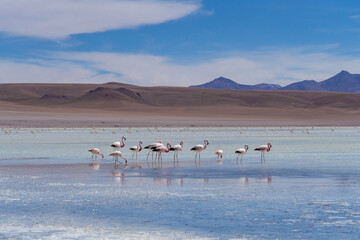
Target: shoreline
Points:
(40, 124)
(20, 116)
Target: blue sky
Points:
(153, 42)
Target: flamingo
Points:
(116, 155)
(161, 149)
(118, 145)
(241, 151)
(199, 148)
(262, 149)
(150, 146)
(136, 149)
(95, 152)
(176, 149)
(219, 154)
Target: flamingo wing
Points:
(240, 150)
(115, 144)
(115, 153)
(175, 148)
(261, 148)
(197, 147)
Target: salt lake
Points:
(308, 188)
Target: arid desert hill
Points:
(117, 102)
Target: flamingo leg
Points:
(133, 155)
(241, 158)
(115, 162)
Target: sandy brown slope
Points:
(122, 105)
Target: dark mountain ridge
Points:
(225, 83)
(341, 82)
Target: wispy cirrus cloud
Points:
(283, 66)
(40, 71)
(54, 19)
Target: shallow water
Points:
(308, 188)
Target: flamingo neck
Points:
(122, 142)
(168, 148)
(140, 147)
(268, 147)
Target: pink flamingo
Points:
(118, 145)
(176, 149)
(116, 155)
(241, 151)
(262, 149)
(161, 149)
(152, 145)
(95, 152)
(199, 148)
(219, 154)
(136, 149)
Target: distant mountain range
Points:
(341, 82)
(225, 83)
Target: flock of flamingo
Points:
(158, 148)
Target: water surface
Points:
(308, 188)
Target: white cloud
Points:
(275, 66)
(39, 71)
(272, 66)
(56, 19)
